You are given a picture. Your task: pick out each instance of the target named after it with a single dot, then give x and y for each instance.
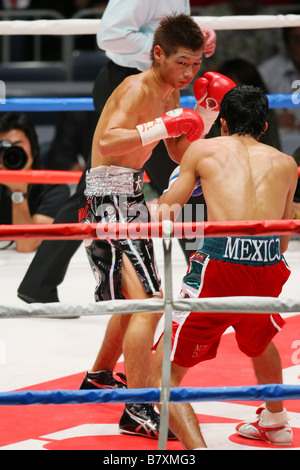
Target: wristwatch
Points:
(17, 197)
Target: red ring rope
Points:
(81, 231)
(49, 176)
(39, 176)
(44, 176)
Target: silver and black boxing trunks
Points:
(112, 195)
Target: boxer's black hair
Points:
(21, 121)
(245, 109)
(178, 30)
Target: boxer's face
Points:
(180, 68)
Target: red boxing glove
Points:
(172, 124)
(209, 91)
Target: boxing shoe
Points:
(103, 379)
(272, 428)
(141, 419)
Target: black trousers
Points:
(50, 263)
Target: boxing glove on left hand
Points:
(172, 124)
(209, 91)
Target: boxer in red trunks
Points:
(241, 179)
(228, 267)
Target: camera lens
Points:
(14, 158)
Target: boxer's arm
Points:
(174, 123)
(288, 210)
(173, 177)
(177, 147)
(116, 132)
(179, 192)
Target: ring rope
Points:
(45, 176)
(40, 176)
(90, 26)
(47, 104)
(274, 392)
(49, 176)
(143, 230)
(280, 100)
(233, 305)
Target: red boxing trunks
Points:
(114, 194)
(224, 267)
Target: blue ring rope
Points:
(86, 104)
(47, 104)
(269, 392)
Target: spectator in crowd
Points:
(69, 8)
(255, 45)
(51, 46)
(80, 4)
(243, 72)
(71, 146)
(281, 73)
(23, 203)
(15, 4)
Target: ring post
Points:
(167, 233)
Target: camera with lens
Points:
(13, 157)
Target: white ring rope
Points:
(242, 304)
(91, 26)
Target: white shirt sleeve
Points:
(127, 27)
(119, 29)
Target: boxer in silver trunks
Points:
(143, 110)
(114, 194)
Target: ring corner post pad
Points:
(167, 233)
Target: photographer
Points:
(23, 203)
